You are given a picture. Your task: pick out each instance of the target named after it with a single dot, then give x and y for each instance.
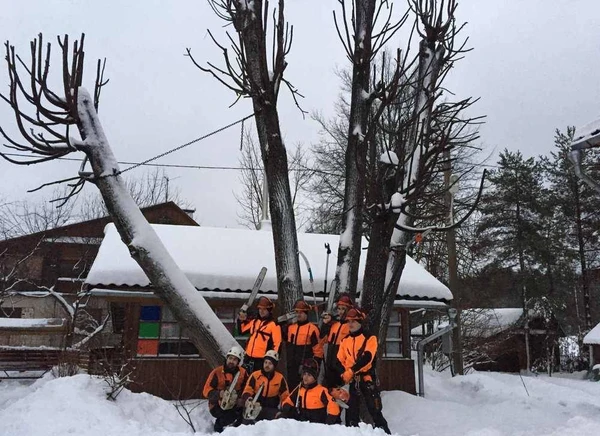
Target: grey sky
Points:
(534, 65)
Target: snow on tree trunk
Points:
(389, 259)
(205, 329)
(349, 250)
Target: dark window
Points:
(11, 312)
(117, 313)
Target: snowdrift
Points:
(480, 404)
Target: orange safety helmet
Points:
(301, 306)
(265, 303)
(340, 394)
(355, 315)
(345, 300)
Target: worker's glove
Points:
(347, 376)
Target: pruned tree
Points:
(419, 148)
(362, 40)
(248, 73)
(48, 121)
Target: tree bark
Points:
(205, 329)
(349, 250)
(264, 100)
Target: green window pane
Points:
(149, 330)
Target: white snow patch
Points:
(593, 336)
(397, 201)
(389, 157)
(230, 259)
(31, 323)
(479, 404)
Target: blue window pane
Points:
(150, 313)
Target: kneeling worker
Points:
(222, 388)
(265, 391)
(311, 402)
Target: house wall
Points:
(183, 376)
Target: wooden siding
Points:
(181, 378)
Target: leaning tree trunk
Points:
(264, 99)
(205, 329)
(346, 274)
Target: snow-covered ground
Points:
(482, 404)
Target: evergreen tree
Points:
(575, 207)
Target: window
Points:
(228, 316)
(160, 335)
(393, 340)
(10, 312)
(117, 314)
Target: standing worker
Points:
(302, 342)
(357, 356)
(265, 334)
(332, 334)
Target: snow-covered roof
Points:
(480, 322)
(593, 336)
(34, 324)
(230, 259)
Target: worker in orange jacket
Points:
(265, 334)
(302, 342)
(357, 356)
(332, 334)
(218, 381)
(274, 389)
(310, 401)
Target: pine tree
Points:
(575, 207)
(511, 226)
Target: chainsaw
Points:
(230, 395)
(253, 407)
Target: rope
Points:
(182, 146)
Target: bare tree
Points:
(252, 181)
(362, 41)
(47, 121)
(418, 156)
(248, 73)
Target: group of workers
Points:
(249, 388)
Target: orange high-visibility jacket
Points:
(264, 335)
(275, 389)
(303, 340)
(357, 353)
(333, 334)
(315, 404)
(219, 380)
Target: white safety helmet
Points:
(236, 351)
(272, 354)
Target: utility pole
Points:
(451, 183)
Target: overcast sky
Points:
(535, 66)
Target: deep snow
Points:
(480, 404)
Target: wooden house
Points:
(223, 264)
(60, 259)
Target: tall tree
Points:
(248, 74)
(576, 209)
(512, 211)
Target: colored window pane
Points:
(149, 330)
(150, 313)
(147, 347)
(169, 331)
